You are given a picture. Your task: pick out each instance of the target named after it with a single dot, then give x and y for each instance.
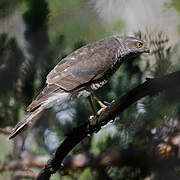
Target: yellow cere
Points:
(139, 44)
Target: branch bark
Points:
(153, 154)
(24, 175)
(26, 161)
(148, 88)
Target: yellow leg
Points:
(91, 104)
(98, 101)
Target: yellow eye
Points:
(139, 44)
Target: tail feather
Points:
(25, 122)
(43, 101)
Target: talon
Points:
(91, 120)
(106, 103)
(103, 107)
(101, 110)
(91, 117)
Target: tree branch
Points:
(148, 88)
(24, 175)
(27, 161)
(153, 154)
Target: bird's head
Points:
(133, 46)
(136, 45)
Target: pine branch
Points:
(27, 161)
(148, 88)
(152, 156)
(24, 175)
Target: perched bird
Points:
(82, 72)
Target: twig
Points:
(27, 161)
(153, 155)
(148, 88)
(22, 175)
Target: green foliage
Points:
(7, 6)
(176, 4)
(125, 173)
(11, 60)
(37, 15)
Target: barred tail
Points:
(49, 97)
(27, 120)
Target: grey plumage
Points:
(82, 72)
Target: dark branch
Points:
(148, 88)
(24, 175)
(26, 162)
(153, 156)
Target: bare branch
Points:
(27, 161)
(153, 154)
(148, 88)
(22, 175)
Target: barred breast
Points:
(98, 83)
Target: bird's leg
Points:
(92, 106)
(100, 103)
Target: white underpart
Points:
(57, 99)
(96, 86)
(83, 93)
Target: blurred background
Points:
(36, 34)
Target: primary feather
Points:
(42, 101)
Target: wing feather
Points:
(86, 63)
(42, 96)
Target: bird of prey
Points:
(82, 72)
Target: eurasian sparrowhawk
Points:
(82, 72)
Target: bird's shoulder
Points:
(83, 64)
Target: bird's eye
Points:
(139, 44)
